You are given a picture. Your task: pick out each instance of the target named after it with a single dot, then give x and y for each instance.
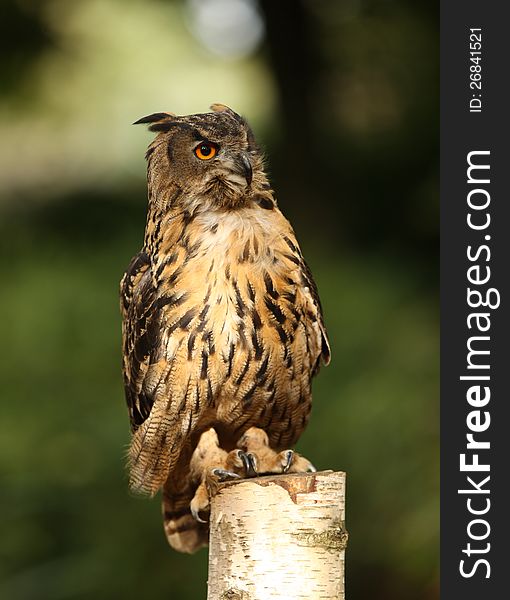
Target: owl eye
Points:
(206, 151)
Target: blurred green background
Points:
(343, 96)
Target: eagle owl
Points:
(222, 323)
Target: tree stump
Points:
(278, 537)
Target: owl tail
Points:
(183, 532)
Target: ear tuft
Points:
(218, 107)
(155, 118)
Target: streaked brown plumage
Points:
(222, 324)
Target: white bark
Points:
(278, 537)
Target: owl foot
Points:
(263, 460)
(210, 466)
(200, 504)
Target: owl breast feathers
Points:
(222, 324)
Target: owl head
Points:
(203, 160)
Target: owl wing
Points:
(311, 304)
(314, 313)
(139, 335)
(166, 391)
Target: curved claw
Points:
(196, 514)
(289, 459)
(199, 503)
(249, 463)
(224, 475)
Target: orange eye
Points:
(206, 151)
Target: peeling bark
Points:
(278, 537)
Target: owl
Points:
(222, 324)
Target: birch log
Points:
(278, 537)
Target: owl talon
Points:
(249, 463)
(196, 514)
(223, 475)
(289, 457)
(292, 462)
(200, 503)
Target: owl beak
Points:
(246, 168)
